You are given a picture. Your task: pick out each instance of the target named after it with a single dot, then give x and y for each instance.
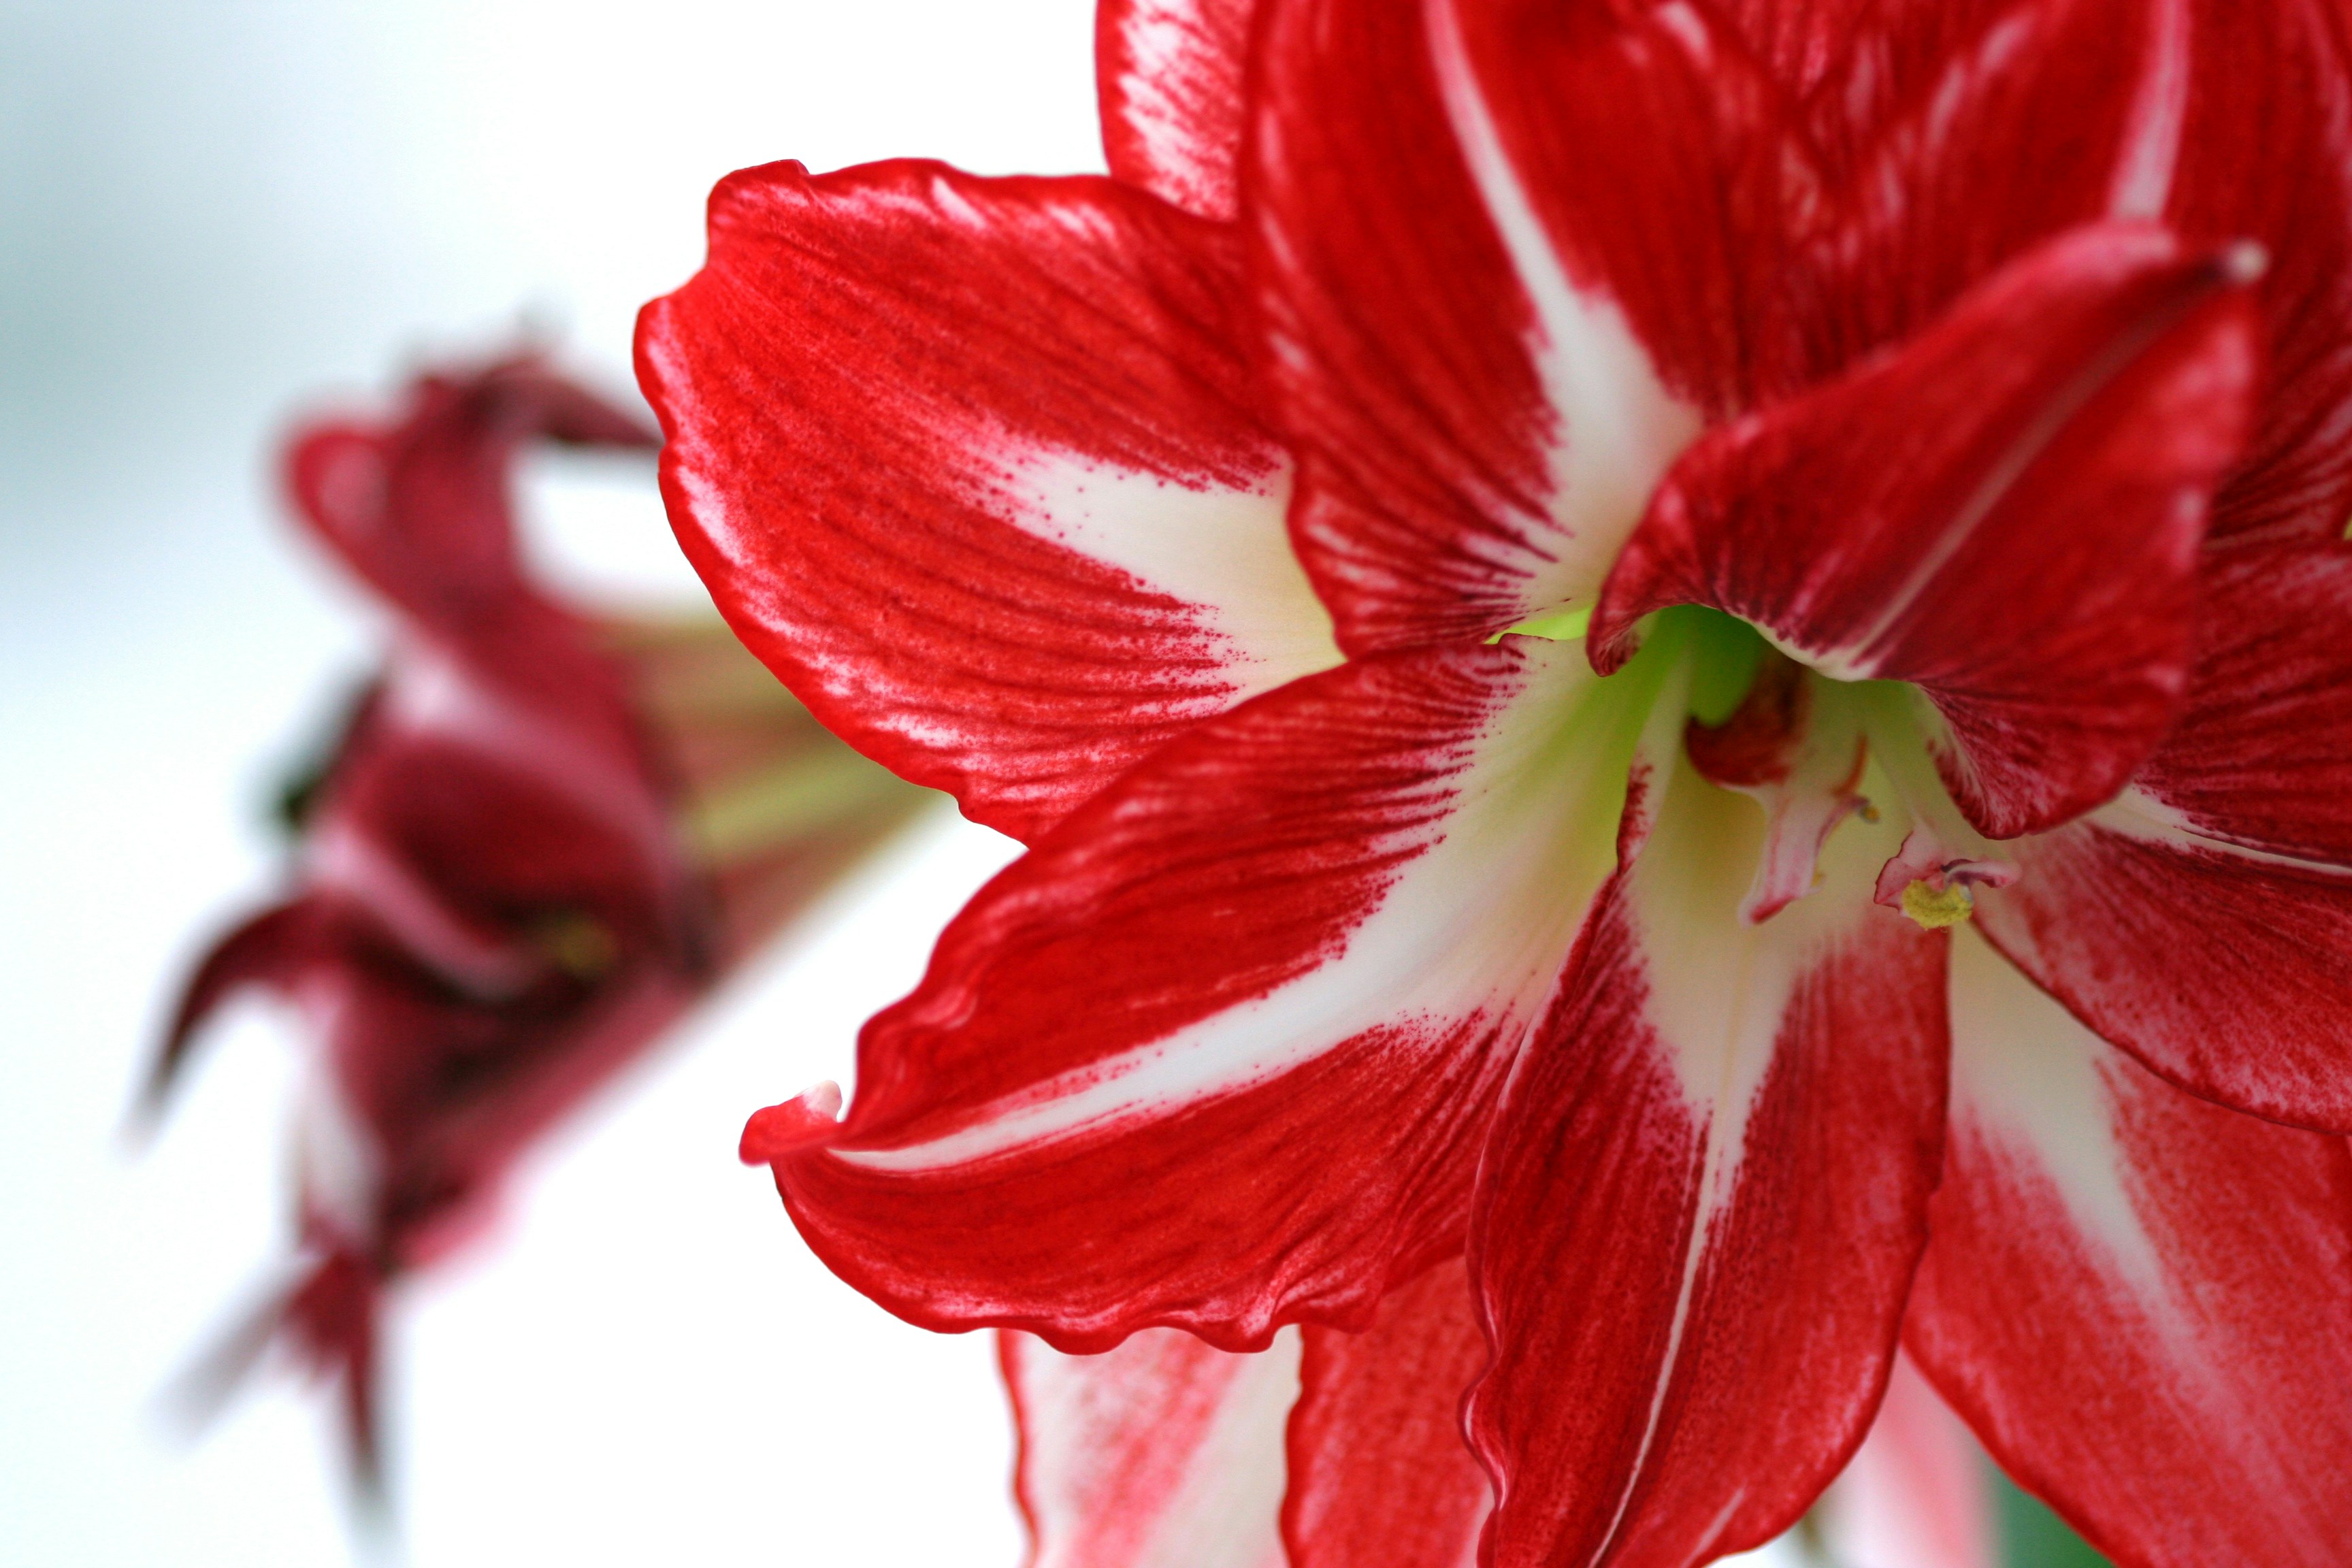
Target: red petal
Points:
(1219, 1051)
(2224, 971)
(1477, 436)
(2006, 513)
(2204, 922)
(1169, 73)
(2142, 1302)
(2262, 753)
(1378, 1472)
(1706, 1191)
(974, 466)
(1162, 1451)
(419, 505)
(1918, 1493)
(270, 949)
(2265, 154)
(1769, 191)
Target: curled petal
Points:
(2007, 513)
(1220, 1051)
(2142, 1302)
(976, 467)
(420, 505)
(1697, 1221)
(272, 949)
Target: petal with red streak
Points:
(1219, 1052)
(975, 467)
(1169, 75)
(2203, 922)
(2007, 513)
(2142, 1302)
(1706, 1193)
(2222, 969)
(1379, 1473)
(1476, 435)
(1158, 1453)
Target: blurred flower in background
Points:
(542, 836)
(216, 212)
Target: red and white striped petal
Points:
(1707, 1189)
(1918, 1492)
(2229, 861)
(2222, 969)
(2007, 513)
(975, 467)
(1219, 1052)
(1169, 76)
(2142, 1302)
(1478, 432)
(1380, 1475)
(1162, 1453)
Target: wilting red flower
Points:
(1940, 411)
(540, 838)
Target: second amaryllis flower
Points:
(543, 835)
(1894, 879)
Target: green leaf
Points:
(2034, 1537)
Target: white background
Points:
(209, 215)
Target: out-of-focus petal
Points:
(2260, 755)
(2142, 1302)
(1477, 433)
(975, 467)
(2263, 136)
(1696, 1224)
(1219, 1052)
(1161, 1453)
(1379, 1473)
(1917, 1493)
(270, 950)
(2007, 513)
(1169, 74)
(420, 505)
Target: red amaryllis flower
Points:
(1939, 411)
(539, 837)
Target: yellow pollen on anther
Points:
(1935, 908)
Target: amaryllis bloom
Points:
(1690, 650)
(540, 838)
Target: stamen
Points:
(1935, 908)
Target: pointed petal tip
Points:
(777, 1131)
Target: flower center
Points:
(1813, 750)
